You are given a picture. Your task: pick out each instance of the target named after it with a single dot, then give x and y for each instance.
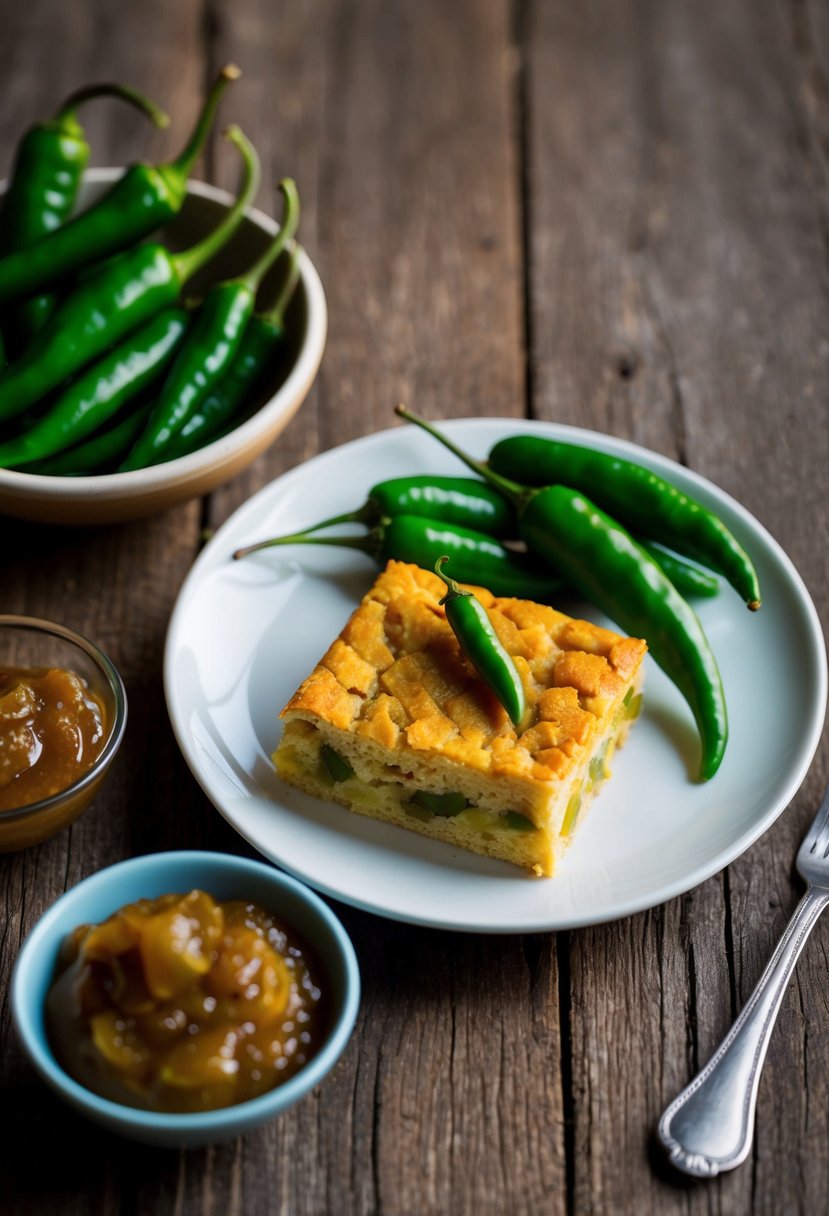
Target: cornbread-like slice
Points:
(394, 722)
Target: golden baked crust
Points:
(395, 695)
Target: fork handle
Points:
(710, 1126)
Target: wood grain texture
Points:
(678, 294)
(614, 214)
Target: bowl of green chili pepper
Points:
(157, 333)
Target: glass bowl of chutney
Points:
(63, 710)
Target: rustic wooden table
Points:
(613, 214)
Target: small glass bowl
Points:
(28, 642)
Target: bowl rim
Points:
(283, 402)
(245, 1114)
(113, 677)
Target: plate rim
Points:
(815, 644)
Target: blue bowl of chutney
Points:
(225, 877)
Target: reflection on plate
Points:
(243, 635)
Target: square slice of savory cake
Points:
(394, 722)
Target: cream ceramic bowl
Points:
(113, 497)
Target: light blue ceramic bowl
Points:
(225, 877)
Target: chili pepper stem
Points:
(192, 259)
(515, 493)
(290, 222)
(180, 168)
(275, 315)
(363, 515)
(66, 112)
(364, 544)
(453, 590)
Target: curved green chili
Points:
(470, 623)
(211, 344)
(477, 559)
(235, 395)
(144, 199)
(48, 168)
(453, 500)
(640, 499)
(98, 454)
(472, 504)
(93, 397)
(126, 292)
(602, 561)
(687, 578)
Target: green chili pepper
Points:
(602, 561)
(211, 344)
(91, 399)
(48, 167)
(445, 806)
(234, 396)
(477, 559)
(102, 453)
(470, 623)
(453, 500)
(144, 199)
(336, 766)
(640, 499)
(609, 569)
(687, 578)
(126, 293)
(470, 503)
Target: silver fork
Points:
(710, 1126)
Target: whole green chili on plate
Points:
(688, 578)
(599, 558)
(640, 499)
(470, 503)
(470, 623)
(476, 558)
(453, 500)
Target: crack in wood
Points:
(375, 1138)
(693, 1021)
(728, 934)
(805, 1018)
(568, 1103)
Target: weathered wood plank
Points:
(401, 131)
(678, 296)
(115, 585)
(401, 119)
(676, 225)
(431, 1108)
(287, 55)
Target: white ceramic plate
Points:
(244, 634)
